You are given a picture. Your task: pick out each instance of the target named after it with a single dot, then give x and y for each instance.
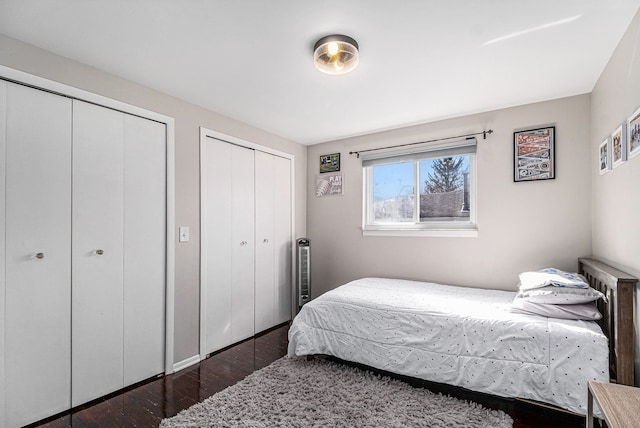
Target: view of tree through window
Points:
(446, 175)
(440, 185)
(445, 189)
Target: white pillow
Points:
(585, 311)
(551, 276)
(561, 296)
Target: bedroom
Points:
(579, 213)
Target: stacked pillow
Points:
(556, 294)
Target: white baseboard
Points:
(186, 363)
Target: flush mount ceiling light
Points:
(336, 54)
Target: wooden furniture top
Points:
(619, 403)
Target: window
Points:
(441, 180)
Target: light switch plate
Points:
(183, 233)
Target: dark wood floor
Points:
(148, 404)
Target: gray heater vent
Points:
(303, 270)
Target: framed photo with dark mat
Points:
(534, 154)
(330, 163)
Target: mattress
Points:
(455, 335)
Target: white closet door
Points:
(246, 242)
(265, 290)
(144, 248)
(216, 244)
(97, 309)
(3, 150)
(38, 254)
(242, 243)
(228, 243)
(283, 241)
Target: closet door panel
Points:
(3, 147)
(97, 309)
(38, 254)
(217, 241)
(144, 248)
(242, 245)
(265, 309)
(283, 242)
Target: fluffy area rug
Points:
(293, 392)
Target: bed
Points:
(467, 337)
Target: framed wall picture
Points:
(534, 154)
(330, 163)
(633, 134)
(618, 146)
(329, 184)
(604, 156)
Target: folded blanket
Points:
(551, 276)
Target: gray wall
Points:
(188, 119)
(521, 226)
(616, 195)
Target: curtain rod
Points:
(484, 137)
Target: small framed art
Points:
(330, 163)
(329, 184)
(618, 146)
(534, 154)
(633, 134)
(604, 156)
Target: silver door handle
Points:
(265, 240)
(40, 256)
(99, 252)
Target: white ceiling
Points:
(251, 60)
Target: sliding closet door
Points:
(282, 239)
(144, 247)
(97, 310)
(265, 309)
(38, 254)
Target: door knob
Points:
(265, 240)
(40, 256)
(99, 252)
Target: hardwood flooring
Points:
(147, 404)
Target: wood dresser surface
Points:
(619, 403)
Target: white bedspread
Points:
(460, 336)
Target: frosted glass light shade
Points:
(336, 54)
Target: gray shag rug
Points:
(293, 392)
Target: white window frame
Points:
(416, 228)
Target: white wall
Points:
(521, 226)
(616, 195)
(188, 119)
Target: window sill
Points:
(441, 233)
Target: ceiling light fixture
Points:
(336, 54)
